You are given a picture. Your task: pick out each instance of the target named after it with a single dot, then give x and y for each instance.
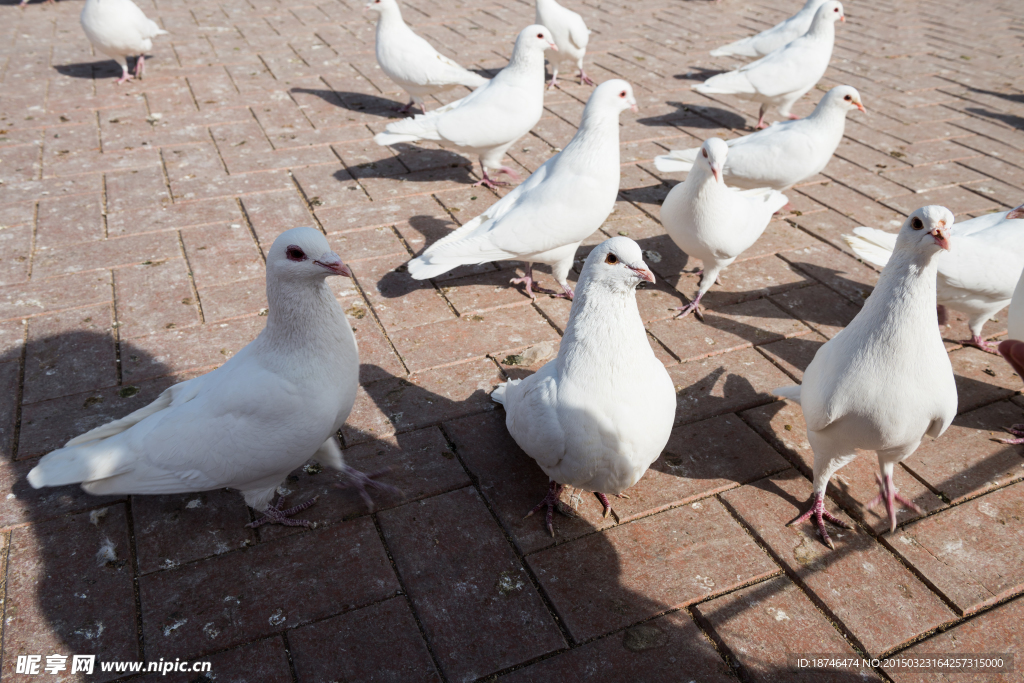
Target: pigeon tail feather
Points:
(676, 161)
(729, 83)
(872, 245)
(791, 393)
(498, 395)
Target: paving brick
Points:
(475, 600)
(397, 404)
(996, 629)
(724, 384)
(357, 638)
(477, 334)
(17, 251)
(882, 605)
(603, 582)
(971, 552)
(69, 220)
(761, 624)
(980, 378)
(81, 559)
(264, 660)
(656, 650)
(55, 294)
(207, 606)
(110, 253)
(818, 307)
(69, 352)
(154, 296)
(398, 300)
(218, 254)
(725, 329)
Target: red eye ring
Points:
(622, 94)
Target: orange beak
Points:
(860, 106)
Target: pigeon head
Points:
(303, 254)
(844, 97)
(535, 37)
(616, 264)
(831, 11)
(381, 6)
(616, 95)
(926, 231)
(712, 155)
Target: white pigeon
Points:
(599, 414)
(786, 75)
(275, 404)
(491, 118)
(571, 36)
(544, 219)
(119, 29)
(977, 277)
(412, 62)
(784, 154)
(885, 381)
(772, 39)
(713, 222)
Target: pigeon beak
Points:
(632, 105)
(842, 18)
(860, 106)
(332, 262)
(716, 171)
(941, 236)
(642, 272)
(553, 47)
(1017, 213)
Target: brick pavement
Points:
(134, 221)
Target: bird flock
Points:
(597, 416)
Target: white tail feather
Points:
(872, 245)
(791, 393)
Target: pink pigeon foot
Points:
(820, 516)
(554, 80)
(889, 494)
(604, 501)
(980, 343)
(487, 181)
(139, 66)
(125, 76)
(526, 279)
(692, 307)
(361, 481)
(1017, 431)
(275, 515)
(760, 118)
(551, 503)
(585, 79)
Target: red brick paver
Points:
(134, 221)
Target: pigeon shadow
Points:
(355, 101)
(699, 73)
(106, 68)
(696, 116)
(71, 561)
(1009, 119)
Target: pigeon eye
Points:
(847, 98)
(622, 94)
(916, 223)
(836, 9)
(611, 259)
(540, 35)
(295, 254)
(705, 153)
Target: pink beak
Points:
(332, 262)
(717, 172)
(636, 109)
(860, 106)
(642, 273)
(553, 47)
(941, 236)
(842, 18)
(1017, 213)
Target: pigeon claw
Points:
(604, 501)
(821, 515)
(275, 515)
(585, 79)
(888, 494)
(360, 481)
(979, 343)
(550, 503)
(1017, 431)
(692, 307)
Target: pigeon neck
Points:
(525, 60)
(598, 133)
(826, 113)
(390, 18)
(905, 293)
(604, 322)
(304, 317)
(822, 27)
